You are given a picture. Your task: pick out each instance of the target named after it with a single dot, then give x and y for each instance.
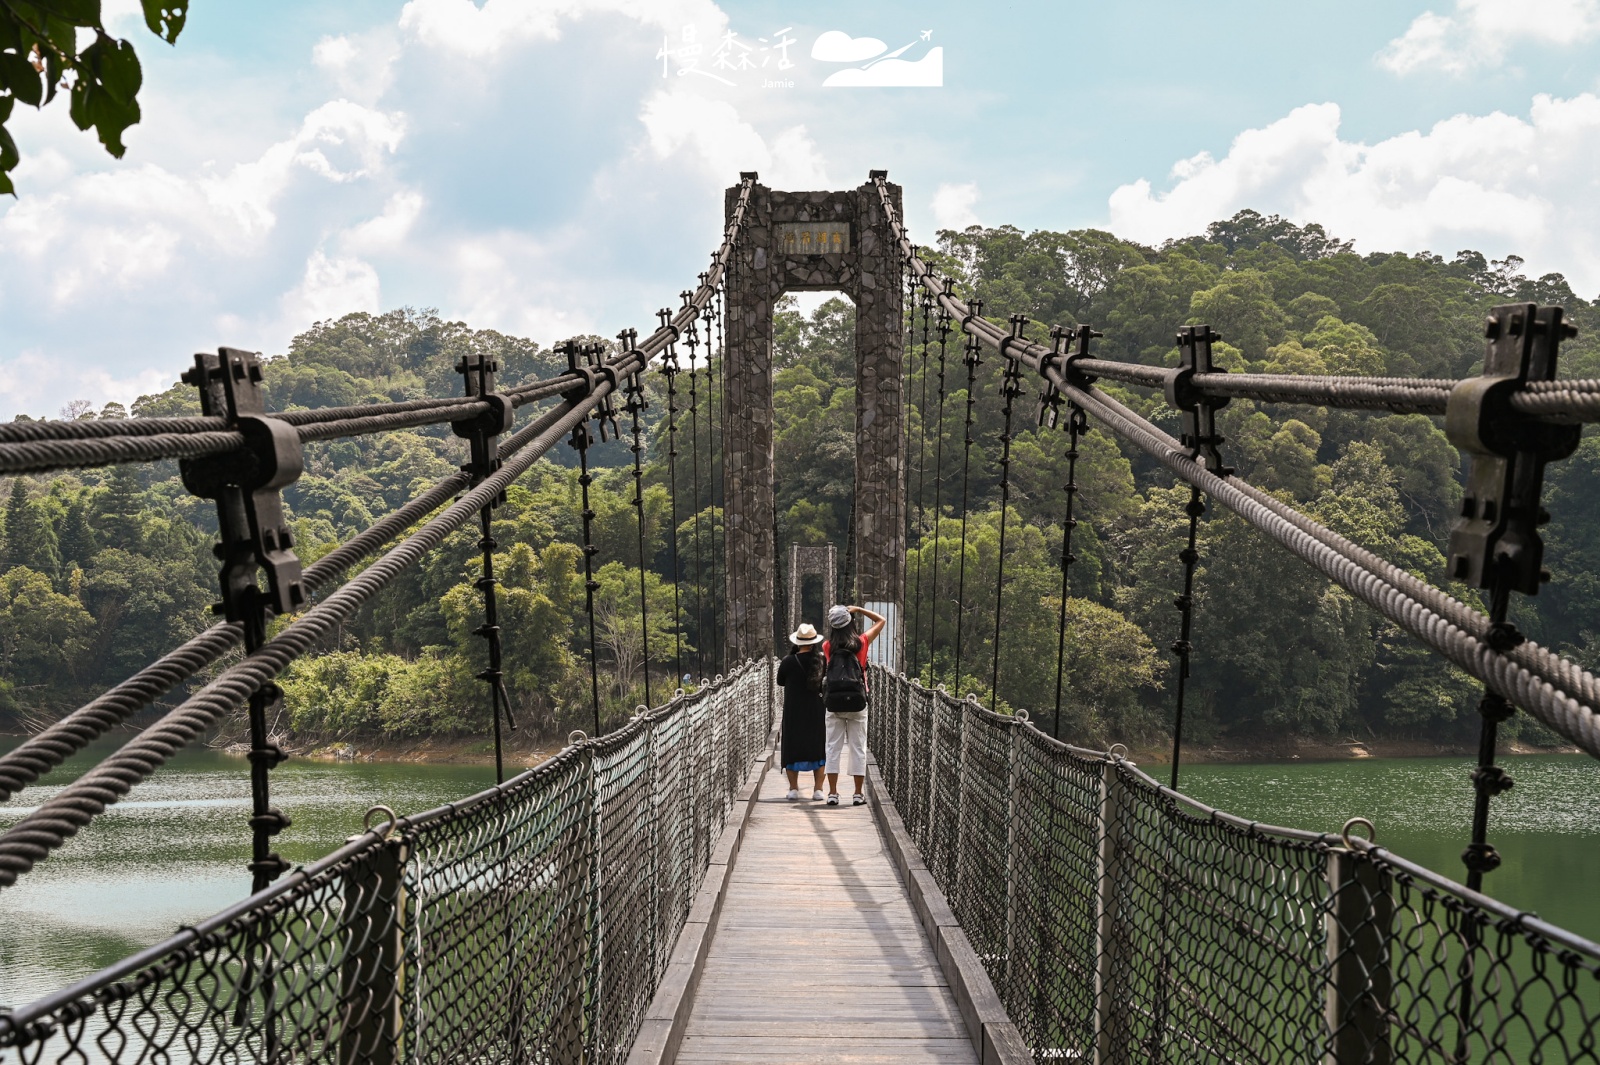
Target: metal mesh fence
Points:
(528, 923)
(1123, 922)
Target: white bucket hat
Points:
(838, 617)
(805, 636)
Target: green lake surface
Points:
(174, 852)
(1546, 828)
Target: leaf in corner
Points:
(18, 75)
(118, 69)
(165, 17)
(9, 157)
(77, 12)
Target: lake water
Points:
(175, 851)
(1546, 828)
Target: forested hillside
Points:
(105, 570)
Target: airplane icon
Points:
(927, 35)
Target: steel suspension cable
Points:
(938, 495)
(1010, 389)
(1183, 647)
(636, 406)
(483, 436)
(32, 838)
(1077, 425)
(39, 447)
(692, 338)
(28, 841)
(908, 310)
(713, 447)
(669, 367)
(580, 441)
(973, 359)
(922, 481)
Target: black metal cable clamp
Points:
(1199, 410)
(1495, 543)
(254, 537)
(483, 433)
(1202, 440)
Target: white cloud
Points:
(34, 381)
(1480, 32)
(712, 132)
(836, 46)
(127, 228)
(1439, 190)
(952, 206)
(463, 27)
(331, 288)
(491, 276)
(388, 230)
(333, 53)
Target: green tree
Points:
(30, 533)
(44, 636)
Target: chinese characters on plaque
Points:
(814, 238)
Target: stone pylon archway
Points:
(797, 242)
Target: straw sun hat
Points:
(805, 636)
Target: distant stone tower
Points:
(808, 242)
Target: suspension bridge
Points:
(1006, 896)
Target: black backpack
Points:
(844, 688)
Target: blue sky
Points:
(524, 165)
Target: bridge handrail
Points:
(719, 728)
(1117, 916)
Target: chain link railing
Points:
(1124, 922)
(529, 923)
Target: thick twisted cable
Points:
(1561, 673)
(32, 839)
(39, 447)
(160, 677)
(1577, 721)
(1553, 401)
(43, 752)
(1555, 690)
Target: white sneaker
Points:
(793, 795)
(833, 799)
(816, 796)
(859, 800)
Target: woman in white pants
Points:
(845, 695)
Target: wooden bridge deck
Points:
(818, 955)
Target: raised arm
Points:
(873, 616)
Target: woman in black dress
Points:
(804, 738)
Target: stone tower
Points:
(808, 242)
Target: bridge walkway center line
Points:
(818, 955)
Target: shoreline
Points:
(479, 751)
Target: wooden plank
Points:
(818, 954)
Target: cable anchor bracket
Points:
(1495, 537)
(1199, 411)
(483, 430)
(245, 485)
